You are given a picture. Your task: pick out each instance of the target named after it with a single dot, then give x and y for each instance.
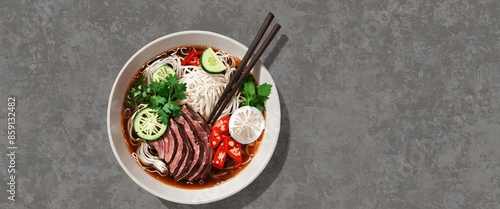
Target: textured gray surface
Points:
(385, 104)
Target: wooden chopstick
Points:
(242, 65)
(246, 71)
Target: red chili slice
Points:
(234, 149)
(220, 156)
(189, 57)
(215, 138)
(222, 125)
(219, 136)
(194, 61)
(198, 53)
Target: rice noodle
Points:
(248, 146)
(145, 156)
(203, 90)
(126, 113)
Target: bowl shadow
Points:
(273, 168)
(268, 62)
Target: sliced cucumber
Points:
(162, 72)
(148, 125)
(210, 62)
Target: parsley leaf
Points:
(253, 97)
(174, 108)
(164, 116)
(172, 80)
(260, 107)
(249, 92)
(156, 87)
(179, 91)
(156, 101)
(264, 90)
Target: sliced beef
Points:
(194, 116)
(185, 146)
(181, 151)
(186, 161)
(172, 147)
(159, 146)
(195, 142)
(156, 145)
(163, 146)
(202, 131)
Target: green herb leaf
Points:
(172, 80)
(260, 107)
(156, 101)
(174, 108)
(165, 92)
(249, 89)
(155, 87)
(179, 92)
(255, 96)
(264, 90)
(166, 109)
(164, 116)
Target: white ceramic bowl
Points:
(137, 174)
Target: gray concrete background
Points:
(385, 104)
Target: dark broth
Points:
(169, 180)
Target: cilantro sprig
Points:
(255, 96)
(160, 96)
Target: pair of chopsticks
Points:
(243, 70)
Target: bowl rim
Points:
(256, 173)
